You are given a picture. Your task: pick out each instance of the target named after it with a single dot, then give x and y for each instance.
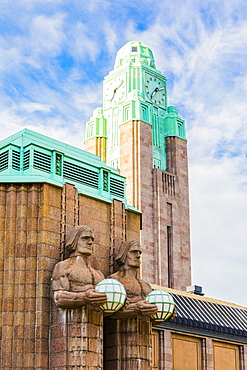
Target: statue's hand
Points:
(95, 298)
(145, 308)
(173, 315)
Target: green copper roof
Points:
(134, 51)
(30, 157)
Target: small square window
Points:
(134, 48)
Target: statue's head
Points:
(129, 254)
(79, 240)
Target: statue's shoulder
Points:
(98, 275)
(146, 287)
(62, 266)
(115, 275)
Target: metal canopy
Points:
(202, 316)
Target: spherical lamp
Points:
(116, 294)
(164, 302)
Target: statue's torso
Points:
(136, 289)
(74, 275)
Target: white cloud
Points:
(34, 107)
(46, 34)
(81, 44)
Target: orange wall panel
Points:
(186, 353)
(226, 356)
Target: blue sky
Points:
(54, 55)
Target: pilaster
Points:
(177, 165)
(136, 165)
(77, 339)
(128, 344)
(97, 146)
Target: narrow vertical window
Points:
(169, 259)
(58, 164)
(169, 246)
(105, 180)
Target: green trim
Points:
(28, 180)
(133, 209)
(29, 157)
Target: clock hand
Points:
(119, 85)
(156, 90)
(115, 90)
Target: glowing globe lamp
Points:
(164, 302)
(115, 292)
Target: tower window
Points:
(114, 163)
(180, 129)
(126, 111)
(144, 112)
(105, 180)
(90, 129)
(169, 246)
(169, 252)
(58, 164)
(134, 48)
(156, 163)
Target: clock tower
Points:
(137, 133)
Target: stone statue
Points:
(73, 280)
(128, 259)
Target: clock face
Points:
(115, 90)
(156, 90)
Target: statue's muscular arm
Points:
(64, 298)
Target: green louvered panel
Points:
(41, 161)
(16, 160)
(81, 174)
(4, 159)
(26, 160)
(117, 187)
